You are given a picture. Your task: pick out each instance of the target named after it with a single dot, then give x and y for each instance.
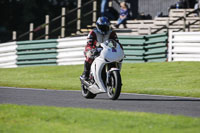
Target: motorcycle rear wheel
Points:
(114, 89)
(86, 93)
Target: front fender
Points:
(108, 75)
(114, 69)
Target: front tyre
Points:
(114, 89)
(86, 93)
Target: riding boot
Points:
(86, 71)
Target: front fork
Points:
(116, 67)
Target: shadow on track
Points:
(134, 99)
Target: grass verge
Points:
(19, 119)
(174, 78)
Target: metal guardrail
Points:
(69, 51)
(184, 46)
(148, 48)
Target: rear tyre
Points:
(86, 93)
(114, 89)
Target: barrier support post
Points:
(63, 22)
(184, 21)
(94, 15)
(47, 27)
(31, 31)
(149, 30)
(167, 25)
(14, 35)
(79, 16)
(169, 57)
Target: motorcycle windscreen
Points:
(112, 54)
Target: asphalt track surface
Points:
(127, 102)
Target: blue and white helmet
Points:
(103, 25)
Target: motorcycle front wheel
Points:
(86, 93)
(114, 88)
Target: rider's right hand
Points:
(95, 52)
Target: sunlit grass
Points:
(175, 78)
(31, 119)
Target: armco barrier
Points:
(133, 48)
(184, 46)
(69, 51)
(8, 56)
(149, 48)
(156, 48)
(39, 52)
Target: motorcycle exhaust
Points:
(84, 82)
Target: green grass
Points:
(32, 119)
(175, 78)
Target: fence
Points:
(69, 51)
(149, 48)
(70, 21)
(8, 55)
(40, 52)
(178, 20)
(184, 46)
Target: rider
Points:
(98, 35)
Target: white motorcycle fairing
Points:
(108, 54)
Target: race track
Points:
(127, 102)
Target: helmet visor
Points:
(103, 28)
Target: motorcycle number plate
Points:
(114, 50)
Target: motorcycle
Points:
(105, 72)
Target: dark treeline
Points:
(16, 15)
